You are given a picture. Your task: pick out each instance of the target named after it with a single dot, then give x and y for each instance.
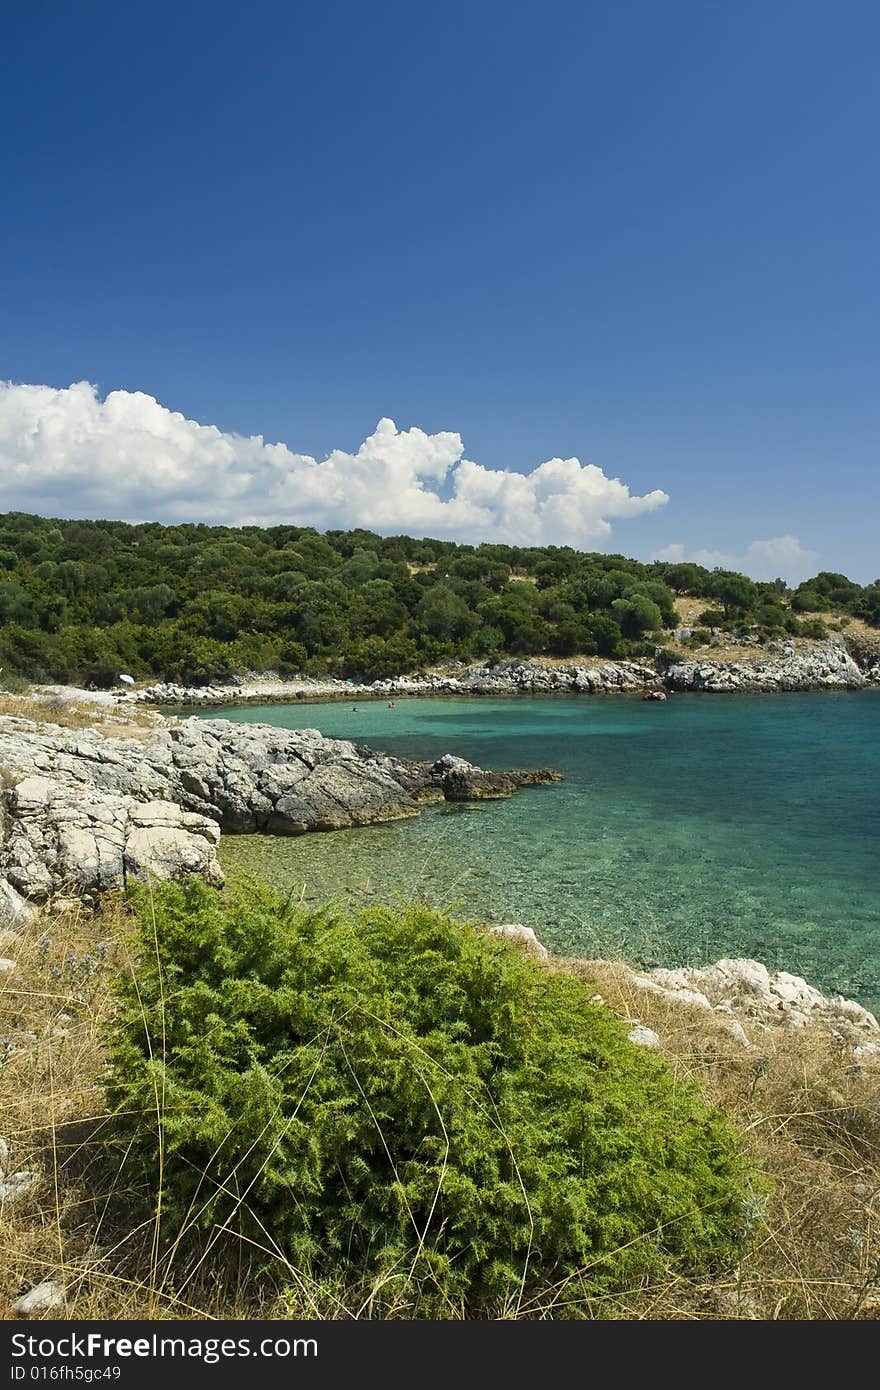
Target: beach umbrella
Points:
(127, 680)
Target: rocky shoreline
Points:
(825, 666)
(84, 813)
(739, 999)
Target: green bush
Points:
(812, 627)
(403, 1092)
(12, 684)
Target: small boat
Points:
(654, 695)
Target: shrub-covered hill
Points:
(82, 600)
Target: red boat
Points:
(654, 695)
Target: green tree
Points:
(637, 615)
(808, 600)
(444, 615)
(686, 578)
(381, 614)
(736, 594)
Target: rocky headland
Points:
(827, 666)
(82, 813)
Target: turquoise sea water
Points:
(685, 831)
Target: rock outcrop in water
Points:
(83, 813)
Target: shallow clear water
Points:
(685, 831)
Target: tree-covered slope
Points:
(82, 600)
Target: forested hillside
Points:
(82, 600)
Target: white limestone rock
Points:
(16, 1186)
(826, 666)
(747, 991)
(14, 909)
(522, 936)
(46, 1297)
(169, 852)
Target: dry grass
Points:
(856, 627)
(862, 642)
(811, 1122)
(124, 722)
(810, 1115)
(52, 1010)
(689, 610)
(55, 1009)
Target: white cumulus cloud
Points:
(672, 554)
(68, 452)
(779, 557)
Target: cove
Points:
(685, 831)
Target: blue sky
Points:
(641, 235)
